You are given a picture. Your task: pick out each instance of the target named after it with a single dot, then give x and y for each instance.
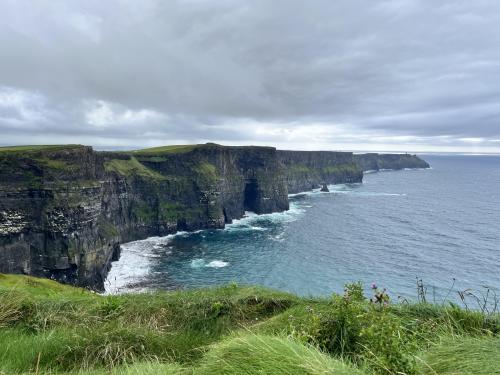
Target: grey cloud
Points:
(365, 69)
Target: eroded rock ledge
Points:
(64, 210)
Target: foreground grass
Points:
(49, 328)
(463, 355)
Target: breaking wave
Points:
(201, 263)
(135, 263)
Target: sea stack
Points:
(325, 189)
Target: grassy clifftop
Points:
(49, 328)
(37, 148)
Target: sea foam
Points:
(201, 263)
(135, 263)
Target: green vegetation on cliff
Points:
(37, 148)
(167, 149)
(131, 167)
(49, 328)
(351, 168)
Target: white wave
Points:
(254, 227)
(137, 257)
(297, 194)
(135, 263)
(393, 170)
(301, 194)
(278, 238)
(251, 220)
(348, 189)
(201, 263)
(375, 194)
(217, 264)
(318, 191)
(197, 263)
(370, 171)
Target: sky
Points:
(385, 75)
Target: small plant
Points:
(386, 344)
(337, 330)
(219, 308)
(111, 307)
(380, 297)
(354, 291)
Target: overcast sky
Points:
(388, 75)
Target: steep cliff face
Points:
(376, 162)
(306, 170)
(50, 214)
(64, 210)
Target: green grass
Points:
(179, 149)
(37, 148)
(206, 173)
(173, 149)
(269, 355)
(59, 165)
(49, 328)
(171, 212)
(463, 355)
(131, 167)
(343, 169)
(300, 169)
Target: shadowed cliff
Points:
(377, 162)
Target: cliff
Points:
(376, 162)
(64, 210)
(306, 170)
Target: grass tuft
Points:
(268, 355)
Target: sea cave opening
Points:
(251, 196)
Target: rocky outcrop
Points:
(376, 162)
(64, 210)
(306, 170)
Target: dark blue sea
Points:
(441, 225)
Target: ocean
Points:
(440, 225)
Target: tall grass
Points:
(462, 355)
(10, 308)
(269, 355)
(49, 328)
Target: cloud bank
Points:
(414, 75)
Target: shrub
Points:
(361, 331)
